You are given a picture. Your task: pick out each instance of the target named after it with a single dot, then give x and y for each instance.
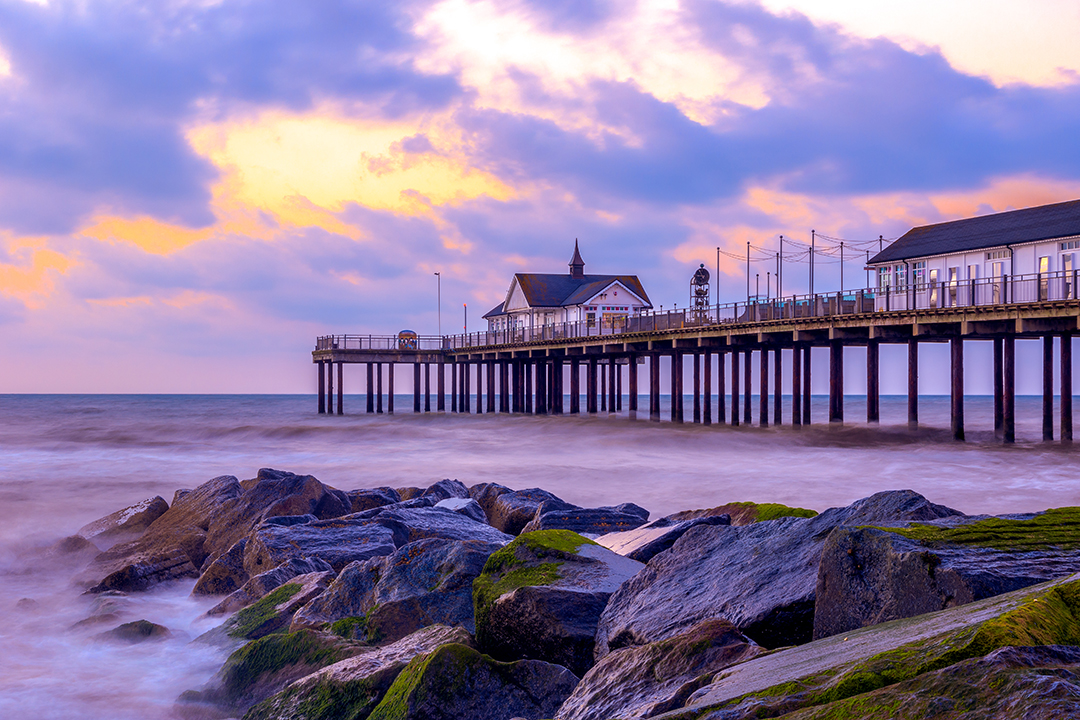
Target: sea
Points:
(66, 460)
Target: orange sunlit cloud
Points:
(35, 271)
(152, 236)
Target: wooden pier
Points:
(534, 371)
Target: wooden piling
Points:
(836, 381)
(913, 383)
(706, 390)
(612, 366)
(734, 387)
(454, 372)
(590, 387)
(1008, 426)
(1048, 388)
(796, 384)
(541, 387)
(763, 388)
(341, 388)
(873, 394)
(416, 387)
(721, 387)
(748, 383)
(673, 381)
(575, 386)
(504, 386)
(654, 387)
(602, 370)
(618, 387)
(632, 386)
(778, 384)
(427, 387)
(378, 388)
(440, 386)
(956, 346)
(390, 388)
(806, 384)
(528, 394)
(322, 387)
(999, 387)
(697, 386)
(480, 387)
(370, 387)
(1066, 389)
(491, 386)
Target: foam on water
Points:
(67, 460)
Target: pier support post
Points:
(370, 387)
(612, 370)
(378, 388)
(575, 386)
(504, 386)
(836, 381)
(1066, 389)
(440, 386)
(390, 367)
(873, 393)
(913, 383)
(602, 370)
(654, 387)
(763, 391)
(454, 372)
(796, 384)
(322, 387)
(721, 388)
(528, 378)
(541, 387)
(590, 387)
(999, 387)
(806, 392)
(416, 387)
(1048, 388)
(697, 387)
(480, 366)
(631, 386)
(778, 384)
(706, 391)
(618, 387)
(734, 387)
(957, 395)
(515, 384)
(468, 387)
(427, 387)
(491, 386)
(1008, 367)
(341, 388)
(676, 371)
(330, 389)
(748, 382)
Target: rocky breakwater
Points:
(487, 602)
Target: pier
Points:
(536, 369)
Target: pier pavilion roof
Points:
(1044, 222)
(549, 290)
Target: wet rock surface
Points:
(124, 524)
(587, 521)
(649, 540)
(264, 583)
(511, 510)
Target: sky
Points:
(192, 190)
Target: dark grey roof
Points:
(1008, 228)
(550, 290)
(495, 311)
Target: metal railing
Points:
(1007, 290)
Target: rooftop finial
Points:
(577, 265)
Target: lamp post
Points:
(439, 275)
(718, 283)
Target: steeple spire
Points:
(577, 265)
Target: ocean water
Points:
(67, 460)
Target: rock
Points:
(124, 524)
(351, 688)
(290, 520)
(647, 541)
(511, 510)
(464, 506)
(136, 632)
(541, 597)
(456, 682)
(412, 524)
(872, 575)
(837, 676)
(646, 680)
(760, 577)
(744, 513)
(446, 489)
(226, 574)
(424, 583)
(207, 521)
(264, 667)
(591, 521)
(408, 493)
(416, 502)
(337, 542)
(274, 611)
(372, 498)
(262, 584)
(628, 509)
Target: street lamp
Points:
(439, 275)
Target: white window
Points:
(884, 276)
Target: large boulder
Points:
(586, 521)
(639, 682)
(455, 682)
(464, 506)
(444, 489)
(511, 510)
(338, 542)
(871, 575)
(649, 540)
(262, 584)
(206, 522)
(367, 499)
(891, 670)
(274, 612)
(541, 597)
(427, 582)
(225, 574)
(412, 524)
(760, 577)
(744, 513)
(352, 687)
(125, 524)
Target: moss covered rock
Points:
(274, 611)
(456, 682)
(745, 513)
(351, 688)
(541, 597)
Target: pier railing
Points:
(931, 295)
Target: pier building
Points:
(707, 353)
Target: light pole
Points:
(439, 275)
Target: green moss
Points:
(395, 704)
(328, 700)
(1058, 527)
(249, 620)
(773, 511)
(350, 628)
(272, 653)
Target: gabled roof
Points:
(1008, 228)
(495, 311)
(550, 290)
